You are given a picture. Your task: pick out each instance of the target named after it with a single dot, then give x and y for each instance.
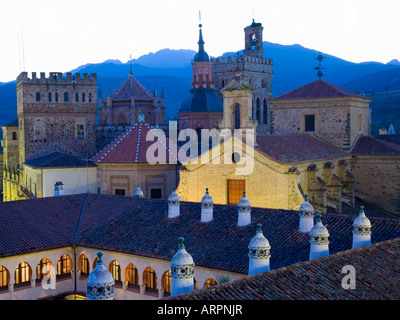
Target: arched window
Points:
(265, 115)
(209, 282)
(83, 264)
(4, 278)
(56, 97)
(115, 270)
(76, 97)
(37, 96)
(23, 274)
(65, 96)
(14, 135)
(236, 116)
(132, 275)
(258, 110)
(150, 279)
(64, 266)
(166, 282)
(44, 267)
(49, 96)
(196, 286)
(90, 97)
(83, 97)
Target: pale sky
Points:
(52, 35)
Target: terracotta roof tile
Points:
(370, 145)
(132, 147)
(296, 147)
(131, 87)
(377, 278)
(317, 89)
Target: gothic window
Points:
(64, 266)
(115, 270)
(209, 282)
(235, 190)
(258, 110)
(309, 123)
(166, 282)
(37, 96)
(14, 135)
(23, 274)
(150, 279)
(4, 278)
(49, 96)
(65, 96)
(83, 263)
(43, 268)
(265, 115)
(76, 97)
(236, 116)
(132, 275)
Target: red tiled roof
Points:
(131, 86)
(370, 145)
(317, 89)
(296, 147)
(377, 277)
(141, 226)
(132, 147)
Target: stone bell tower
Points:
(253, 40)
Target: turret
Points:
(319, 240)
(306, 216)
(173, 204)
(259, 253)
(207, 205)
(100, 283)
(361, 230)
(244, 211)
(182, 271)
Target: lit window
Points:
(115, 270)
(150, 279)
(209, 282)
(166, 282)
(235, 190)
(4, 278)
(43, 268)
(132, 275)
(64, 266)
(83, 263)
(23, 274)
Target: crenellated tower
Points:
(56, 113)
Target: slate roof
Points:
(296, 147)
(201, 100)
(129, 87)
(141, 226)
(13, 123)
(317, 89)
(132, 147)
(370, 145)
(377, 278)
(57, 160)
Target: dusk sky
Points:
(52, 35)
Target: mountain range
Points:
(294, 65)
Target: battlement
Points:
(243, 58)
(57, 78)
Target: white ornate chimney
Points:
(244, 211)
(58, 189)
(138, 193)
(259, 253)
(173, 204)
(306, 216)
(207, 205)
(100, 283)
(319, 240)
(182, 271)
(361, 230)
